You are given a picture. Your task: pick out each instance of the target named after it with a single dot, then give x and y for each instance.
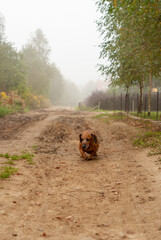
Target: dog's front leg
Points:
(83, 154)
(92, 155)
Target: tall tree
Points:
(36, 58)
(131, 40)
(56, 89)
(12, 71)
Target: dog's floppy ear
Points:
(80, 137)
(94, 137)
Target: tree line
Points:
(131, 43)
(30, 70)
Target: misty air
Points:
(80, 120)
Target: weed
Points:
(7, 171)
(15, 157)
(34, 147)
(150, 139)
(25, 155)
(28, 156)
(6, 155)
(10, 162)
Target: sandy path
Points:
(61, 197)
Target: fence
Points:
(126, 102)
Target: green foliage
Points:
(12, 71)
(4, 110)
(7, 171)
(30, 72)
(131, 39)
(43, 77)
(10, 109)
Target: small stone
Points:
(97, 234)
(14, 234)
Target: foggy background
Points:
(70, 31)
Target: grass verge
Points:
(150, 140)
(8, 109)
(8, 170)
(152, 116)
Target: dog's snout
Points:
(84, 146)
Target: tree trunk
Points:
(126, 100)
(149, 95)
(141, 84)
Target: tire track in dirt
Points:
(62, 197)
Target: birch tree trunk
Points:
(141, 84)
(149, 95)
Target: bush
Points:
(4, 110)
(36, 101)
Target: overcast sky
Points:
(69, 27)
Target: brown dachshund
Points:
(88, 144)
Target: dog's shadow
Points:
(95, 159)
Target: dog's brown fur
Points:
(88, 144)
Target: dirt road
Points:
(61, 196)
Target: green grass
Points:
(8, 109)
(101, 115)
(90, 109)
(25, 155)
(116, 116)
(149, 139)
(7, 171)
(34, 147)
(145, 116)
(109, 116)
(28, 157)
(10, 162)
(4, 110)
